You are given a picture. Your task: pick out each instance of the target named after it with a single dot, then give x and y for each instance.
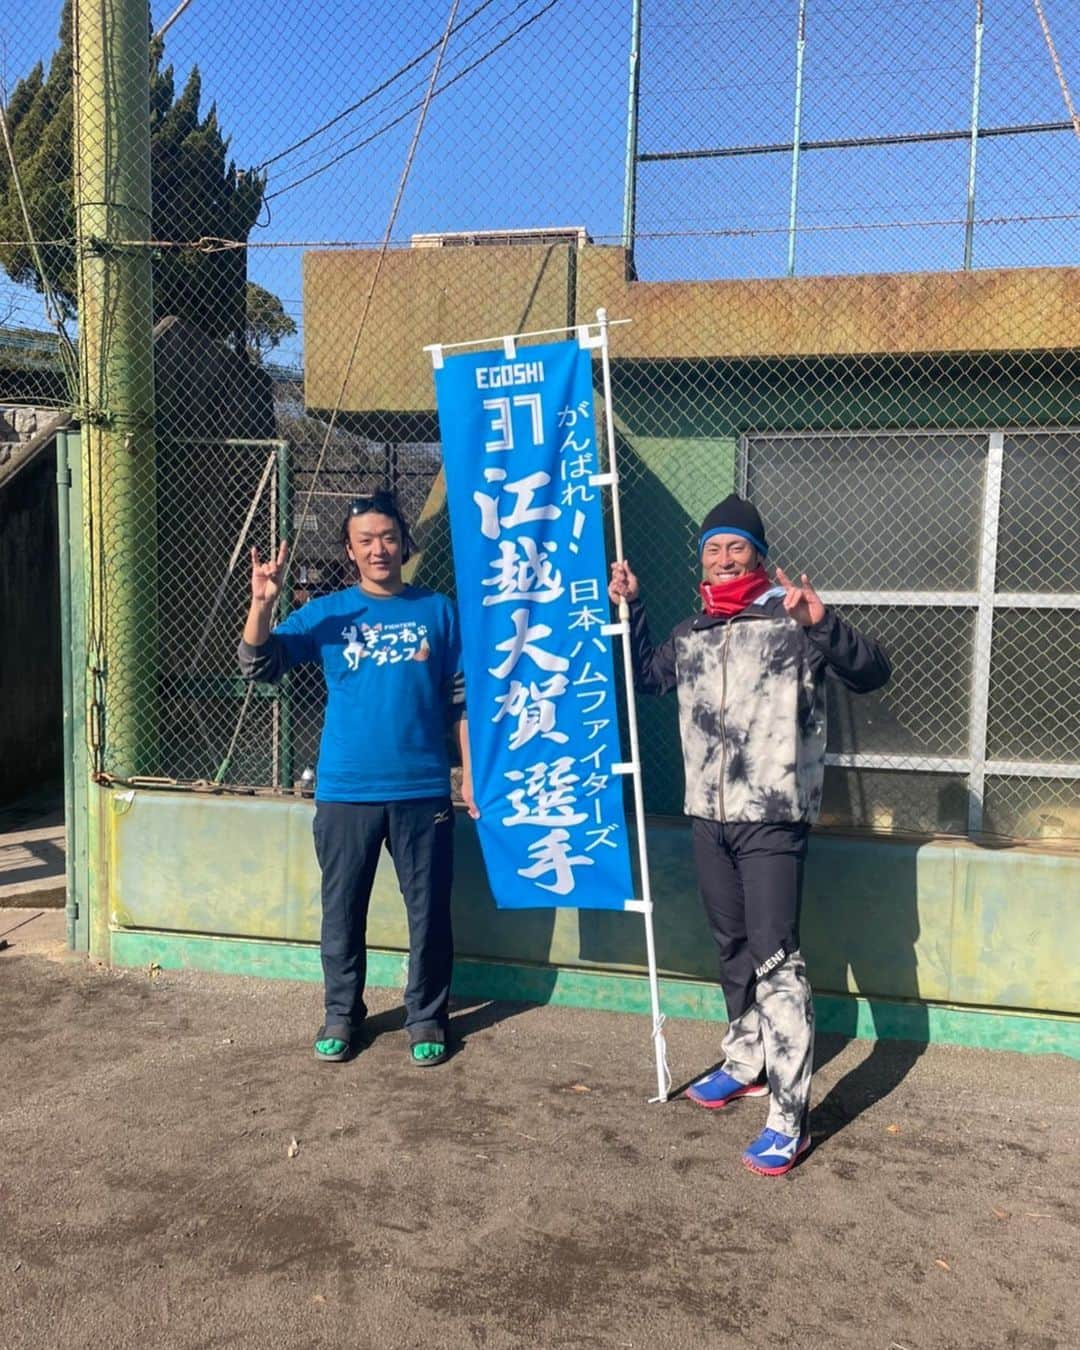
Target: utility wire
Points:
(400, 97)
(410, 155)
(213, 244)
(1057, 66)
(403, 70)
(331, 424)
(388, 126)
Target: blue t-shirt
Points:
(390, 663)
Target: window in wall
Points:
(960, 552)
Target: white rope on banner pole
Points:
(663, 1073)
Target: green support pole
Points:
(79, 768)
(116, 375)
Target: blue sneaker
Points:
(718, 1089)
(772, 1153)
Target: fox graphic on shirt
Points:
(411, 649)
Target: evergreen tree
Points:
(267, 322)
(196, 194)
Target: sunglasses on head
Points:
(382, 502)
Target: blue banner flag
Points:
(519, 449)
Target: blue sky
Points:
(534, 135)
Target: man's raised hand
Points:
(802, 602)
(624, 584)
(267, 577)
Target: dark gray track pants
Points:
(419, 835)
(750, 876)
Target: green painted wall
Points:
(887, 919)
(866, 1019)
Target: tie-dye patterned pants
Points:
(750, 875)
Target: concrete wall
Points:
(423, 296)
(457, 294)
(1009, 309)
(889, 919)
(30, 694)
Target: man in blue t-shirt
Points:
(391, 655)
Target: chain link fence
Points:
(847, 236)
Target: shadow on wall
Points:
(860, 934)
(605, 940)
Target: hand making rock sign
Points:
(266, 577)
(267, 580)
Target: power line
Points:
(398, 100)
(373, 93)
(388, 126)
(217, 244)
(410, 155)
(1057, 67)
(400, 97)
(331, 424)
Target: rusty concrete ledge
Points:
(447, 295)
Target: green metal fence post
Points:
(116, 376)
(80, 755)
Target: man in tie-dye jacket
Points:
(750, 670)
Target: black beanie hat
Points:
(734, 516)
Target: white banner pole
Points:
(663, 1075)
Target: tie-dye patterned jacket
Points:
(752, 704)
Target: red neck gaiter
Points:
(732, 596)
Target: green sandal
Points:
(426, 1054)
(333, 1043)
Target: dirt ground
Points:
(522, 1195)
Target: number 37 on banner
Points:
(502, 422)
